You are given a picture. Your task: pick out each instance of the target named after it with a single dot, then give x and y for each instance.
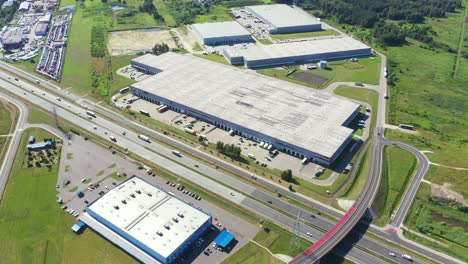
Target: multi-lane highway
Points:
(209, 171)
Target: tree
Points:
(290, 188)
(200, 139)
(286, 175)
(159, 49)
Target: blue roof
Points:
(78, 226)
(40, 144)
(224, 238)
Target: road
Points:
(70, 112)
(206, 170)
(14, 143)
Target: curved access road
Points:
(14, 143)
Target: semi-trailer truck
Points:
(90, 113)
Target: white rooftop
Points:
(281, 15)
(220, 29)
(300, 48)
(292, 113)
(146, 213)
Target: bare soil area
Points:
(133, 41)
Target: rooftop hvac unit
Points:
(159, 233)
(138, 191)
(175, 219)
(124, 202)
(167, 226)
(181, 215)
(149, 194)
(132, 195)
(116, 207)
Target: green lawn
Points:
(277, 240)
(365, 70)
(213, 57)
(251, 254)
(397, 172)
(217, 13)
(37, 230)
(77, 66)
(326, 32)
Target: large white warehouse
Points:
(145, 221)
(282, 19)
(293, 53)
(221, 33)
(293, 118)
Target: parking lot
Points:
(279, 161)
(103, 171)
(132, 73)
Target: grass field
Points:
(457, 178)
(164, 12)
(37, 230)
(446, 224)
(77, 66)
(5, 119)
(213, 57)
(277, 240)
(397, 172)
(428, 96)
(326, 32)
(252, 254)
(366, 70)
(217, 13)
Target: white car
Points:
(391, 254)
(309, 234)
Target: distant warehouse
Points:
(292, 53)
(294, 119)
(147, 222)
(282, 19)
(221, 33)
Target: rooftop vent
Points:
(116, 207)
(132, 195)
(138, 191)
(124, 202)
(149, 194)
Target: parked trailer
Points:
(124, 90)
(163, 108)
(261, 144)
(190, 131)
(250, 155)
(304, 161)
(90, 113)
(270, 147)
(143, 112)
(144, 138)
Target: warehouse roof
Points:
(220, 29)
(292, 113)
(149, 215)
(299, 48)
(281, 15)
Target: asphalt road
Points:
(208, 171)
(71, 113)
(14, 143)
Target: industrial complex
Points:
(147, 222)
(221, 33)
(283, 19)
(291, 53)
(292, 118)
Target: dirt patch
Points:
(134, 41)
(397, 128)
(449, 221)
(444, 195)
(312, 78)
(466, 20)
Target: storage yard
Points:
(259, 108)
(52, 58)
(140, 40)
